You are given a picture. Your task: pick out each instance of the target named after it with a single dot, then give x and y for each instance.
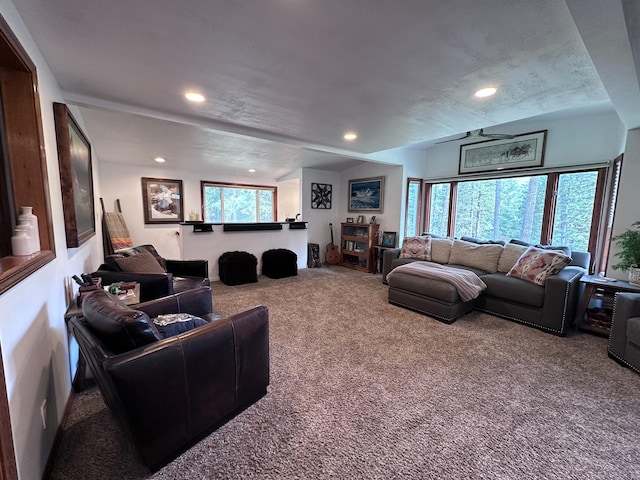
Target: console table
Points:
(598, 289)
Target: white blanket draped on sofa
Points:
(467, 284)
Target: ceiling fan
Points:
(479, 134)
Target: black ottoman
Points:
(236, 268)
(279, 263)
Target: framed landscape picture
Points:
(321, 195)
(366, 195)
(76, 177)
(522, 151)
(162, 200)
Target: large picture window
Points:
(559, 208)
(238, 203)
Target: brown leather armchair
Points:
(169, 276)
(169, 393)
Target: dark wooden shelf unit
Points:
(356, 242)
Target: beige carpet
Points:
(363, 389)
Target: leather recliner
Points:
(624, 339)
(178, 275)
(170, 393)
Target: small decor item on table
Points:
(629, 254)
(389, 239)
(360, 219)
(349, 219)
(373, 219)
(20, 242)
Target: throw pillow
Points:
(416, 247)
(119, 327)
(558, 248)
(441, 250)
(172, 324)
(536, 265)
(143, 262)
(510, 255)
(483, 257)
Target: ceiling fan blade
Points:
(454, 139)
(498, 136)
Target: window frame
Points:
(257, 188)
(597, 241)
(419, 208)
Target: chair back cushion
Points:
(119, 327)
(143, 262)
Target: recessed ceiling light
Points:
(252, 170)
(350, 136)
(159, 159)
(486, 92)
(194, 97)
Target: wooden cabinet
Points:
(356, 244)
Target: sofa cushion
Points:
(172, 324)
(509, 256)
(143, 262)
(513, 289)
(482, 242)
(484, 257)
(536, 265)
(119, 327)
(441, 249)
(564, 249)
(418, 248)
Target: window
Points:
(238, 203)
(562, 208)
(414, 204)
(501, 209)
(438, 212)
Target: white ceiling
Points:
(284, 79)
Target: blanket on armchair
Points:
(467, 284)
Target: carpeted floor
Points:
(363, 389)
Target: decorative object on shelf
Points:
(360, 219)
(389, 239)
(523, 151)
(76, 178)
(629, 255)
(28, 218)
(349, 219)
(20, 242)
(321, 195)
(162, 200)
(372, 219)
(366, 195)
(194, 216)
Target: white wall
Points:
(594, 138)
(33, 333)
(320, 218)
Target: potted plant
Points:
(629, 254)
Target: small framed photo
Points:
(373, 219)
(360, 219)
(389, 239)
(162, 200)
(349, 219)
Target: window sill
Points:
(15, 269)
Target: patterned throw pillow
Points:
(416, 247)
(143, 262)
(536, 265)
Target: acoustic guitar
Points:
(333, 255)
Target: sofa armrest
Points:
(387, 257)
(171, 391)
(561, 295)
(625, 306)
(152, 285)
(188, 268)
(197, 301)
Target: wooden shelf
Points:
(357, 241)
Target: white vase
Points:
(27, 216)
(20, 242)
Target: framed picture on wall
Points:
(76, 177)
(366, 195)
(162, 200)
(389, 239)
(321, 195)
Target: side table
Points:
(595, 288)
(377, 258)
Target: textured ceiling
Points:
(284, 79)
